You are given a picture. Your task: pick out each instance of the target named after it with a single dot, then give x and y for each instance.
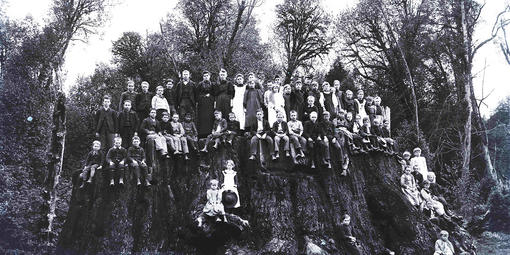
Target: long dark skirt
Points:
(205, 115)
(223, 104)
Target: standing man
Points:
(143, 102)
(223, 92)
(185, 96)
(169, 94)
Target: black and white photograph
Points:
(255, 127)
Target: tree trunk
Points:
(468, 108)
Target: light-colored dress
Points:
(443, 248)
(431, 203)
(276, 103)
(422, 164)
(229, 183)
(237, 102)
(214, 207)
(361, 108)
(409, 188)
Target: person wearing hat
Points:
(406, 160)
(237, 100)
(418, 160)
(205, 105)
(223, 93)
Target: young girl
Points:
(420, 162)
(409, 187)
(230, 181)
(214, 207)
(360, 104)
(430, 201)
(328, 99)
(275, 104)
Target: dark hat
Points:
(169, 80)
(239, 75)
(205, 72)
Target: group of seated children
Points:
(420, 187)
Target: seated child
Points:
(379, 110)
(430, 201)
(420, 161)
(368, 138)
(339, 141)
(279, 129)
(353, 138)
(370, 108)
(229, 182)
(328, 130)
(219, 127)
(116, 159)
(174, 135)
(127, 124)
(377, 130)
(409, 187)
(259, 132)
(443, 246)
(386, 134)
(190, 131)
(233, 128)
(316, 145)
(346, 235)
(309, 108)
(417, 175)
(295, 129)
(136, 159)
(406, 160)
(214, 207)
(93, 162)
(151, 128)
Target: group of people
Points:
(420, 187)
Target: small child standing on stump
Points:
(229, 183)
(93, 162)
(136, 159)
(214, 207)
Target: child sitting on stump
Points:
(174, 135)
(233, 128)
(443, 246)
(93, 162)
(136, 159)
(346, 235)
(152, 129)
(259, 131)
(190, 131)
(409, 187)
(295, 129)
(316, 146)
(309, 108)
(368, 138)
(219, 127)
(280, 133)
(116, 159)
(213, 207)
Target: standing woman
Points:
(205, 109)
(223, 92)
(252, 102)
(237, 101)
(275, 104)
(360, 102)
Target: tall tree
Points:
(302, 30)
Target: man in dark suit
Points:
(143, 102)
(185, 95)
(105, 123)
(260, 131)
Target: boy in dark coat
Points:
(190, 131)
(316, 146)
(143, 102)
(233, 128)
(280, 130)
(116, 159)
(105, 123)
(136, 159)
(93, 162)
(309, 108)
(328, 129)
(129, 94)
(219, 127)
(169, 94)
(185, 98)
(127, 124)
(260, 131)
(223, 92)
(369, 140)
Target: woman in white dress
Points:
(420, 161)
(359, 103)
(237, 101)
(276, 103)
(230, 181)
